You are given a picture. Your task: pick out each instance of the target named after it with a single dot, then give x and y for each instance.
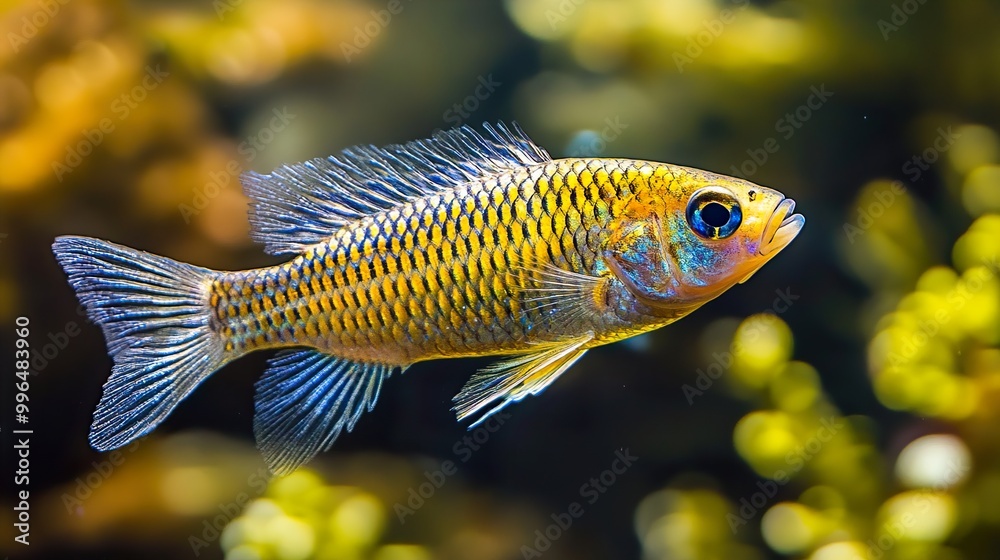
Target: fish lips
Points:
(781, 228)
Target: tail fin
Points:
(155, 315)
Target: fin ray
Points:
(513, 379)
(301, 204)
(306, 399)
(563, 295)
(155, 318)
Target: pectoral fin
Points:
(565, 297)
(512, 380)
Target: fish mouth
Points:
(781, 228)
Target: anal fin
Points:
(305, 399)
(513, 379)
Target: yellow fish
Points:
(465, 244)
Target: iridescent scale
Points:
(440, 276)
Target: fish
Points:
(464, 244)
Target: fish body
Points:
(441, 276)
(462, 245)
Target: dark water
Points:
(858, 421)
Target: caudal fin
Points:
(155, 315)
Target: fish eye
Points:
(714, 213)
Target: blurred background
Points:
(842, 404)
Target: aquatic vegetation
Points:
(301, 517)
(841, 405)
(824, 490)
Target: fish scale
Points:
(429, 279)
(459, 245)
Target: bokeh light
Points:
(937, 461)
(842, 404)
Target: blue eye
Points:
(714, 213)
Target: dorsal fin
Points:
(301, 204)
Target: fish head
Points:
(696, 235)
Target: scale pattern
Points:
(439, 276)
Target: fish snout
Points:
(781, 228)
